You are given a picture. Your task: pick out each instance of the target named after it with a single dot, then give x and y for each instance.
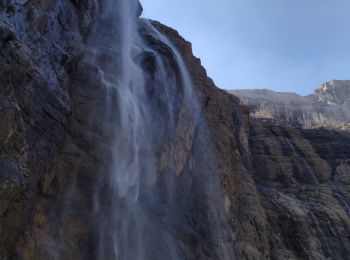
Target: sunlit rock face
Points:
(329, 106)
(115, 144)
(334, 92)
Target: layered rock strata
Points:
(328, 106)
(227, 187)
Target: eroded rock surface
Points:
(329, 106)
(227, 187)
(300, 175)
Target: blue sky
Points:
(284, 45)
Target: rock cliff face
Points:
(225, 187)
(329, 106)
(302, 178)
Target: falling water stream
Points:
(307, 166)
(339, 195)
(143, 108)
(312, 174)
(336, 191)
(123, 227)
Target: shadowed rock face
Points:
(329, 106)
(57, 137)
(226, 187)
(303, 181)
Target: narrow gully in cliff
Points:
(338, 194)
(323, 239)
(306, 165)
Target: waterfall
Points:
(339, 195)
(146, 109)
(122, 218)
(305, 164)
(323, 239)
(151, 186)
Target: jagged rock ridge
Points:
(329, 106)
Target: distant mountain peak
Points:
(334, 92)
(329, 106)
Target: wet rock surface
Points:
(227, 187)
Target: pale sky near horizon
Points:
(283, 45)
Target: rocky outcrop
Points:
(302, 178)
(327, 107)
(301, 174)
(334, 92)
(226, 187)
(56, 141)
(39, 45)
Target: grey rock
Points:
(237, 188)
(329, 106)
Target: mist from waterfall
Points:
(156, 192)
(122, 222)
(123, 200)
